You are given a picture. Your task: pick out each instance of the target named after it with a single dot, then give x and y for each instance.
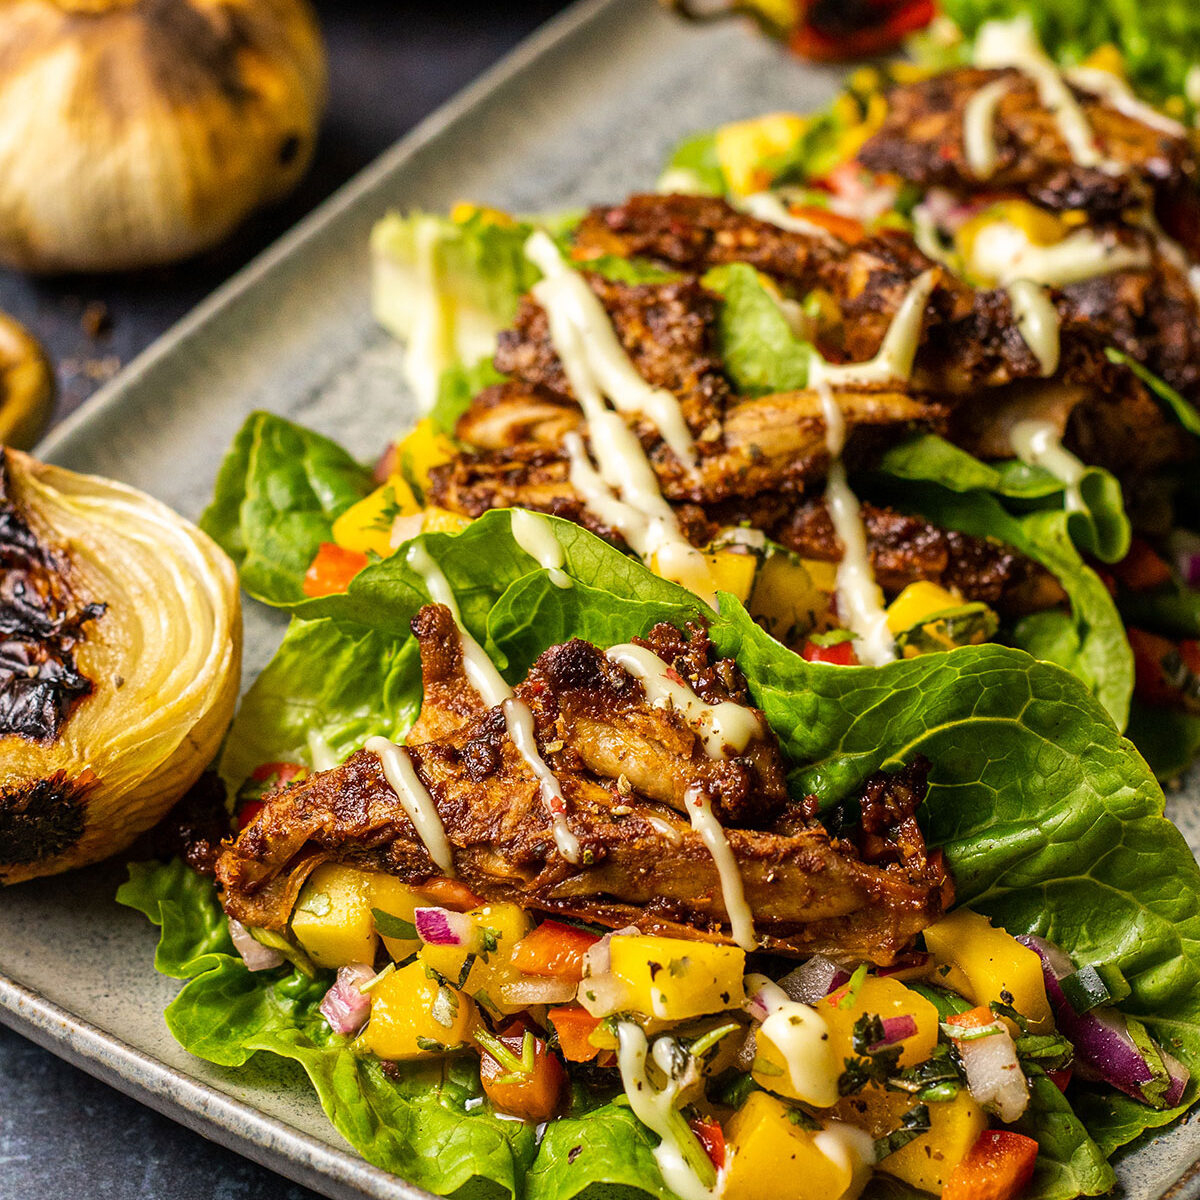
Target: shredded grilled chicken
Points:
(623, 765)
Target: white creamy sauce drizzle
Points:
(519, 721)
(1116, 93)
(1003, 251)
(655, 1110)
(979, 128)
(490, 685)
(1038, 322)
(860, 600)
(766, 206)
(1037, 443)
(893, 362)
(624, 492)
(741, 919)
(402, 778)
(565, 290)
(724, 729)
(801, 1036)
(1014, 44)
(535, 535)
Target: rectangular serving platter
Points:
(582, 112)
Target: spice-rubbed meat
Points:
(667, 329)
(905, 549)
(760, 445)
(923, 141)
(642, 863)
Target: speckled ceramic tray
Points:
(583, 112)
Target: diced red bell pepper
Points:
(1165, 672)
(248, 813)
(973, 1018)
(278, 773)
(998, 1167)
(532, 1095)
(825, 33)
(841, 654)
(1060, 1079)
(554, 950)
(711, 1136)
(331, 570)
(575, 1026)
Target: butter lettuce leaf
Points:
(1092, 642)
(1049, 821)
(277, 494)
(760, 352)
(1100, 528)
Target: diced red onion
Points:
(1185, 549)
(1103, 1046)
(441, 927)
(532, 990)
(345, 1006)
(597, 959)
(747, 1053)
(896, 1029)
(255, 955)
(603, 995)
(405, 528)
(813, 980)
(994, 1076)
(1179, 1078)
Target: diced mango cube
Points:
(774, 1158)
(332, 918)
(367, 525)
(398, 900)
(733, 571)
(746, 148)
(420, 450)
(917, 603)
(499, 927)
(674, 979)
(413, 1016)
(788, 599)
(988, 964)
(882, 997)
(442, 520)
(927, 1161)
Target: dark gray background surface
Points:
(63, 1134)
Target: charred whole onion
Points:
(120, 650)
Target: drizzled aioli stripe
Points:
(624, 491)
(494, 691)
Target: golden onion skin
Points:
(136, 636)
(139, 132)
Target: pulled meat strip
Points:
(922, 140)
(623, 765)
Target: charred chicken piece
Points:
(621, 762)
(923, 141)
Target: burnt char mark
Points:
(43, 819)
(41, 623)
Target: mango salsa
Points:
(884, 998)
(776, 1158)
(917, 603)
(987, 964)
(674, 979)
(367, 525)
(745, 148)
(421, 450)
(333, 918)
(499, 927)
(415, 1016)
(733, 571)
(927, 1161)
(791, 596)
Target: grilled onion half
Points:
(120, 653)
